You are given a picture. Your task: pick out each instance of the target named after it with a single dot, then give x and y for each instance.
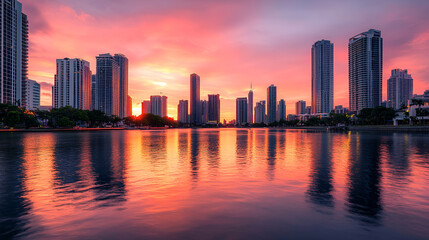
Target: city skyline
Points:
(261, 60)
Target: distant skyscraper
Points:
(241, 111)
(32, 89)
(365, 70)
(250, 105)
(308, 110)
(130, 106)
(281, 110)
(182, 111)
(204, 111)
(322, 84)
(73, 84)
(260, 112)
(271, 103)
(300, 107)
(399, 88)
(122, 61)
(158, 105)
(13, 53)
(214, 108)
(146, 107)
(195, 107)
(108, 77)
(94, 92)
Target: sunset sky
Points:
(228, 43)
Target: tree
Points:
(65, 122)
(376, 116)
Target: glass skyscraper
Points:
(272, 103)
(122, 61)
(365, 70)
(13, 52)
(195, 115)
(322, 77)
(108, 77)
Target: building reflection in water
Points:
(397, 159)
(195, 154)
(364, 179)
(320, 188)
(213, 150)
(13, 205)
(108, 169)
(271, 154)
(242, 147)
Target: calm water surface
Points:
(214, 184)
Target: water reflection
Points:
(213, 149)
(271, 154)
(242, 146)
(364, 194)
(320, 189)
(13, 206)
(195, 154)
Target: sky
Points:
(230, 44)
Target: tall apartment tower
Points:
(300, 107)
(156, 105)
(13, 53)
(250, 106)
(204, 111)
(399, 88)
(130, 105)
(146, 107)
(164, 106)
(94, 92)
(72, 84)
(322, 77)
(32, 89)
(365, 70)
(195, 105)
(108, 77)
(214, 108)
(271, 103)
(182, 112)
(241, 111)
(260, 112)
(122, 61)
(281, 110)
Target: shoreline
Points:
(411, 129)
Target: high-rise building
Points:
(281, 110)
(308, 110)
(13, 53)
(300, 107)
(250, 106)
(108, 76)
(271, 103)
(399, 88)
(156, 105)
(146, 107)
(32, 89)
(214, 108)
(260, 112)
(130, 106)
(365, 70)
(73, 84)
(341, 110)
(164, 106)
(122, 61)
(195, 107)
(94, 92)
(204, 111)
(182, 112)
(322, 75)
(241, 111)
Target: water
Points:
(214, 184)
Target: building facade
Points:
(72, 84)
(195, 105)
(122, 61)
(130, 106)
(146, 107)
(32, 89)
(214, 108)
(13, 53)
(108, 77)
(322, 77)
(365, 70)
(250, 106)
(260, 112)
(272, 103)
(399, 88)
(241, 111)
(94, 92)
(300, 107)
(204, 111)
(281, 110)
(182, 112)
